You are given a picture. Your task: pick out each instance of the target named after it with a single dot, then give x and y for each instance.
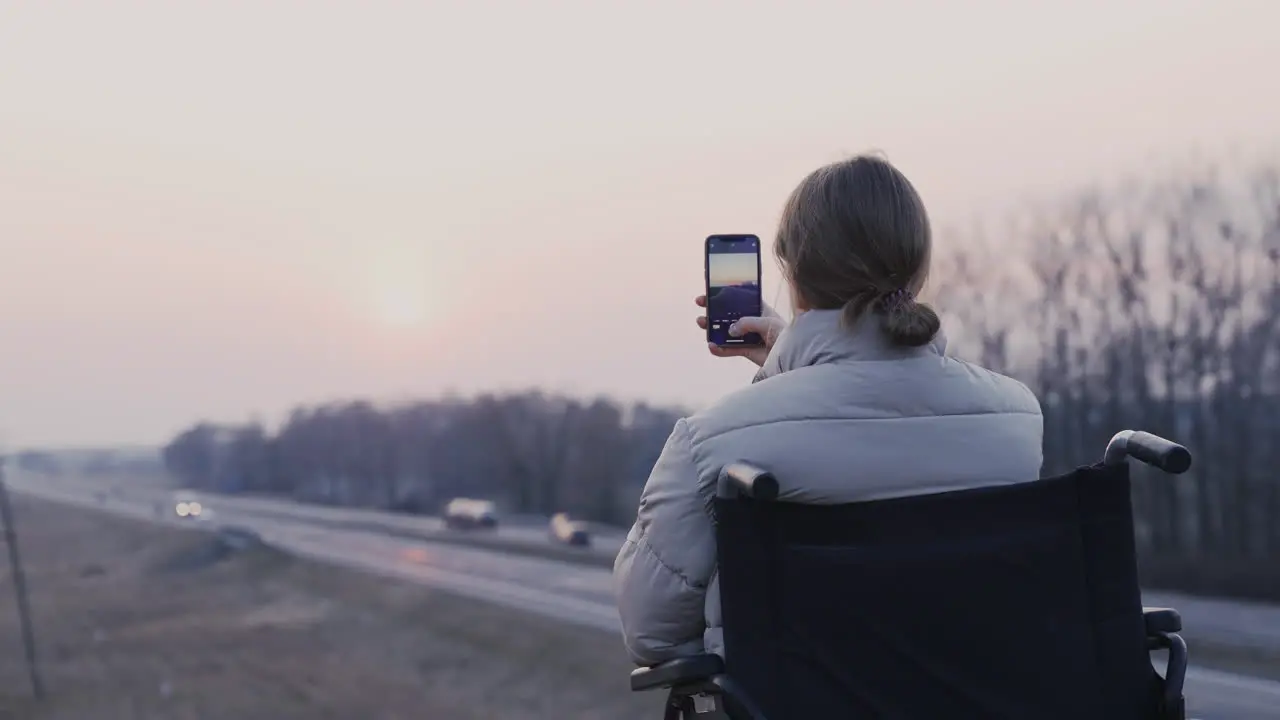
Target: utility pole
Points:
(19, 585)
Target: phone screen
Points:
(733, 286)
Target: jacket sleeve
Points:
(667, 561)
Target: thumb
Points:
(745, 325)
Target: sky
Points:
(223, 209)
(732, 268)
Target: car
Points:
(467, 513)
(188, 507)
(569, 532)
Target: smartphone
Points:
(733, 287)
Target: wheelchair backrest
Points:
(1018, 601)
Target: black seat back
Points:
(1016, 602)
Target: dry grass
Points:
(137, 621)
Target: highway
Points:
(578, 590)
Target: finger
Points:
(719, 351)
(700, 301)
(745, 325)
(702, 321)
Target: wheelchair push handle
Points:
(744, 479)
(1151, 449)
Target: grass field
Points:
(139, 621)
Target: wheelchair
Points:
(1015, 601)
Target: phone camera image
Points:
(733, 288)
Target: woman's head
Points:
(855, 236)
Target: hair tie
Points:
(898, 297)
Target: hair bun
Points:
(908, 323)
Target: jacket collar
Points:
(816, 337)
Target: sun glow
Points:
(402, 293)
(400, 306)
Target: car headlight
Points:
(194, 508)
(183, 509)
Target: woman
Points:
(854, 400)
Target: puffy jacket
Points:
(838, 415)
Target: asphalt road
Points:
(576, 592)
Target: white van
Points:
(465, 513)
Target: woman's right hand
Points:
(768, 326)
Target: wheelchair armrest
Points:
(1161, 620)
(1173, 705)
(681, 671)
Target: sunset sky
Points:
(222, 209)
(732, 268)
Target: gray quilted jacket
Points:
(838, 415)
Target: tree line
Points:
(1152, 305)
(534, 453)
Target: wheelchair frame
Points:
(698, 683)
